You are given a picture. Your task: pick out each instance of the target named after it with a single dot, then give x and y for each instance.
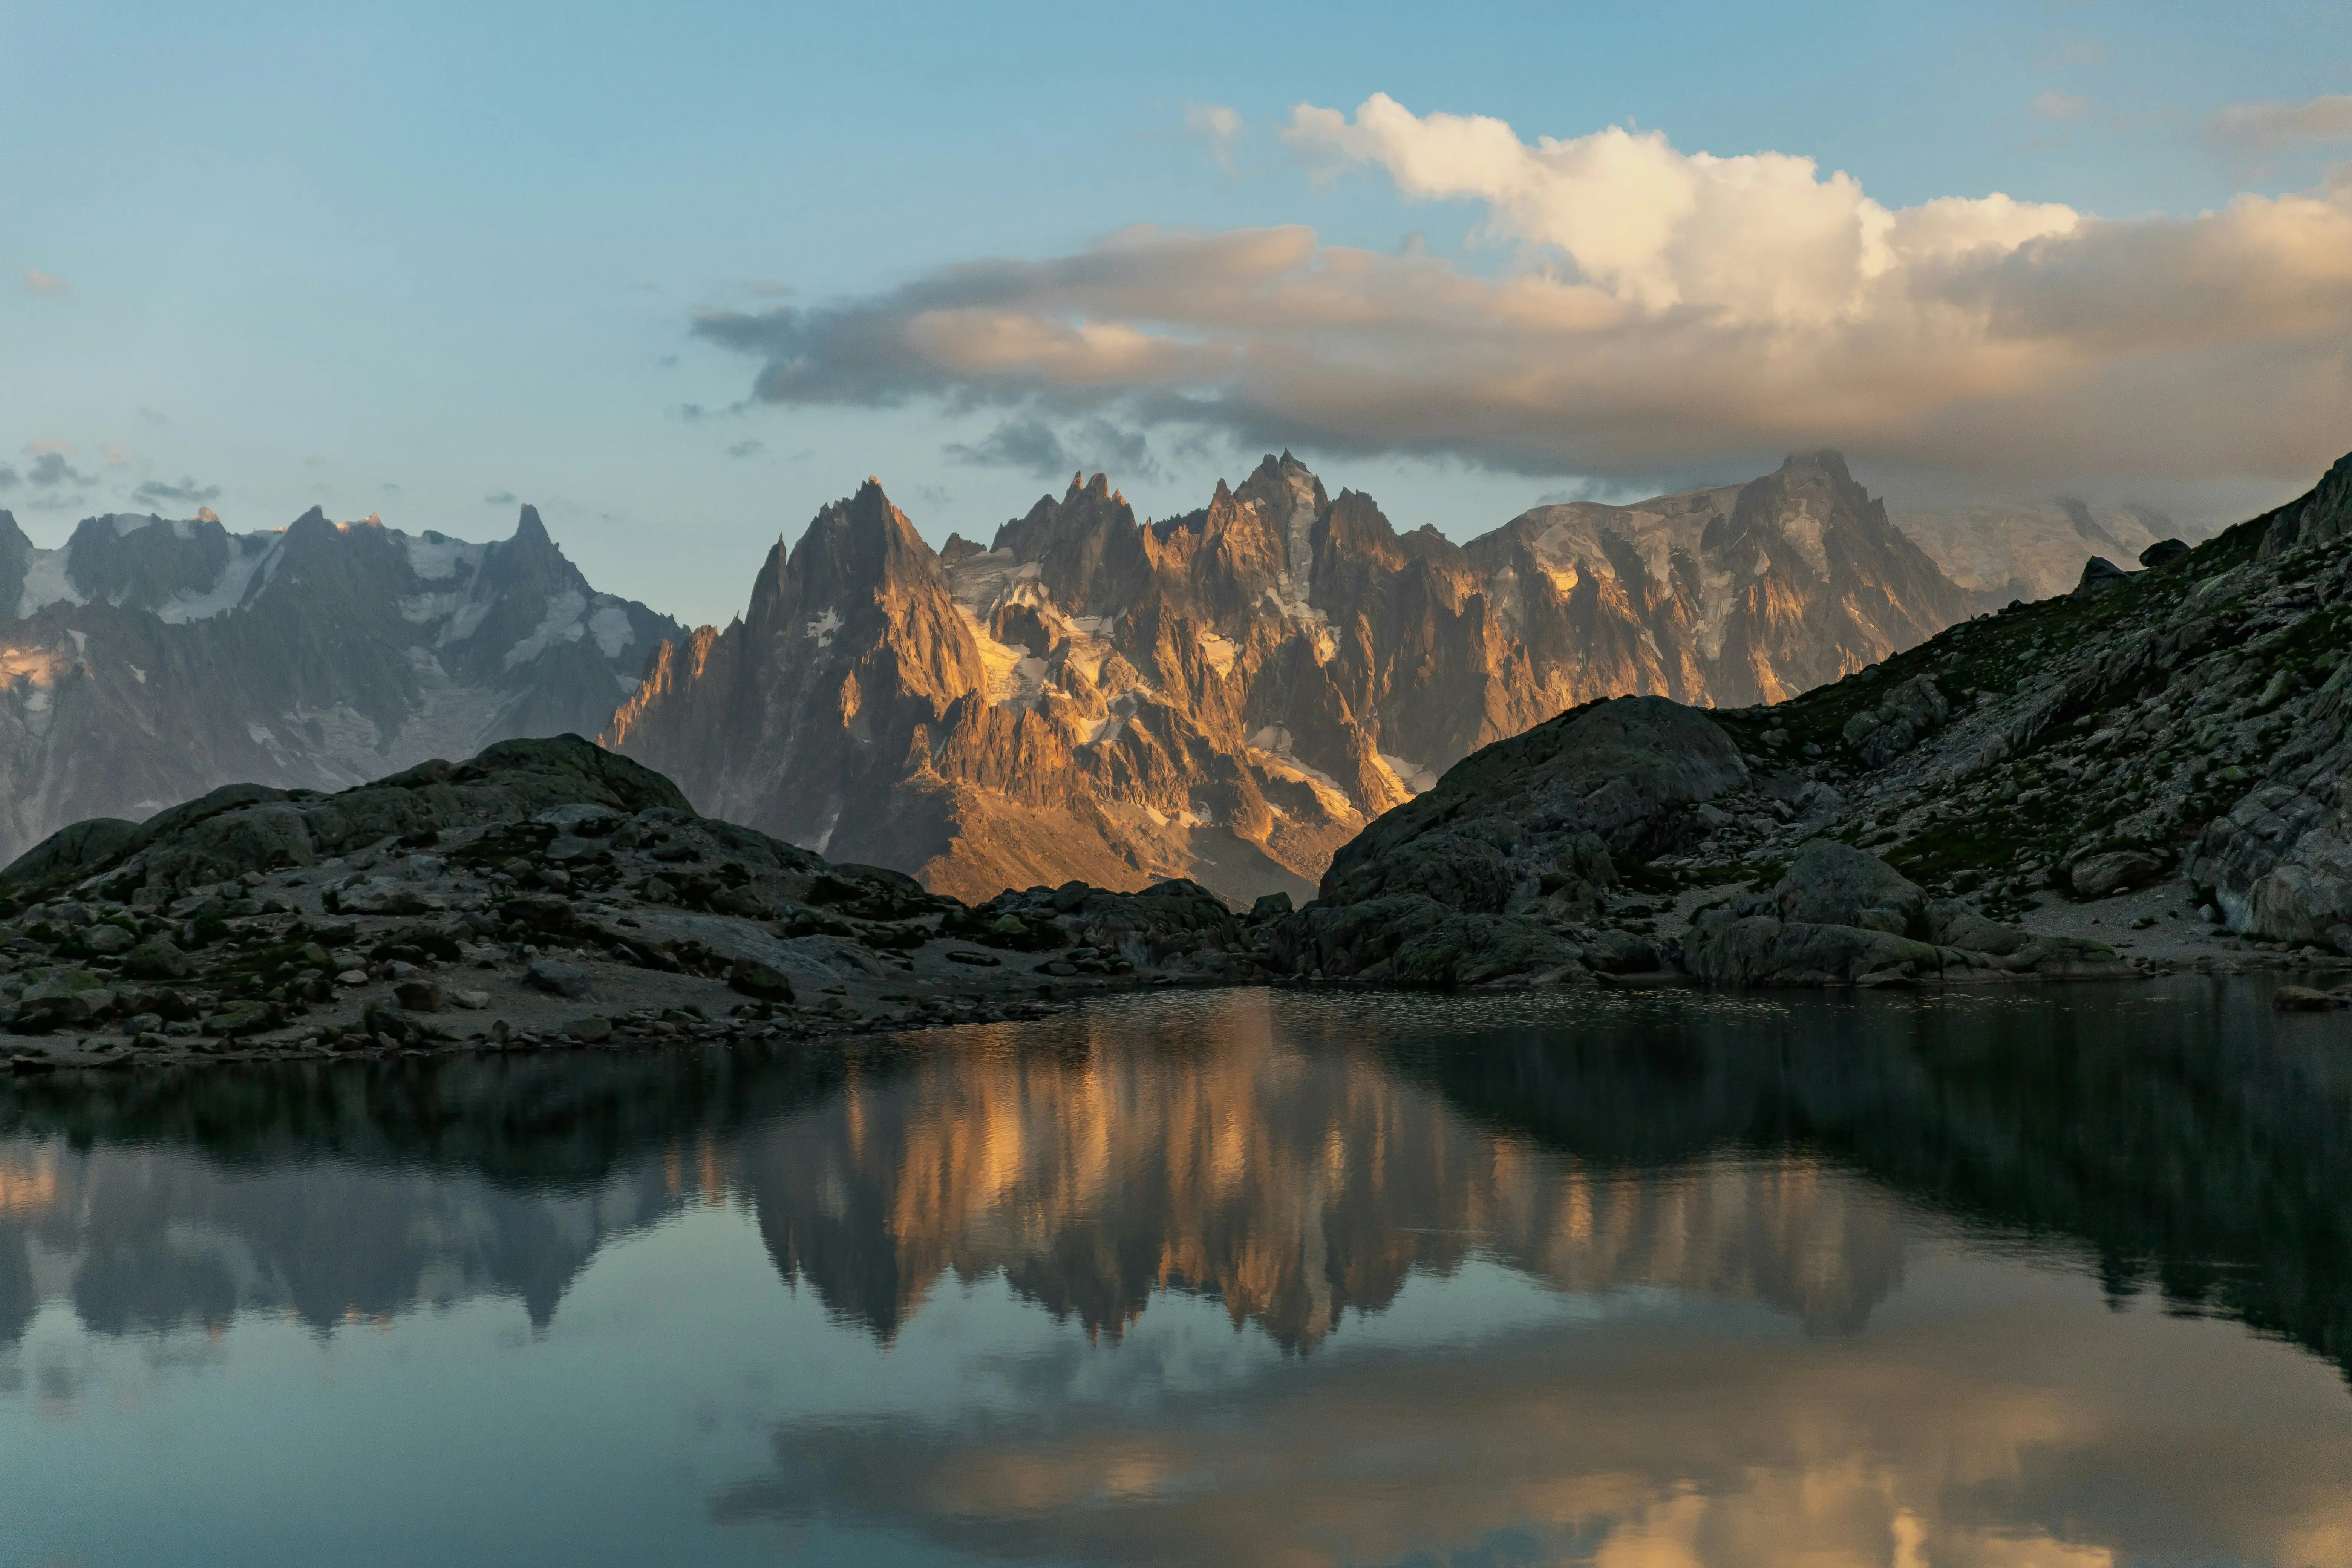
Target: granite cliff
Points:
(1232, 694)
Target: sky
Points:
(681, 275)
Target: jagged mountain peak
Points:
(1826, 461)
(317, 656)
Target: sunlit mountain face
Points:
(1232, 694)
(1227, 1276)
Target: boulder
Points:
(2116, 871)
(2163, 551)
(109, 939)
(558, 978)
(1831, 883)
(2099, 574)
(1621, 953)
(156, 963)
(762, 982)
(1954, 924)
(418, 996)
(62, 999)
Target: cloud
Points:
(388, 487)
(2266, 127)
(48, 283)
(187, 493)
(117, 455)
(750, 446)
(1215, 127)
(8, 477)
(1643, 310)
(50, 469)
(155, 417)
(2060, 106)
(499, 497)
(1032, 445)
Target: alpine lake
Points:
(2055, 1276)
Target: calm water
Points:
(2061, 1279)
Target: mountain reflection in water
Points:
(1541, 1278)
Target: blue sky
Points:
(401, 260)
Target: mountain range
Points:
(1232, 694)
(149, 660)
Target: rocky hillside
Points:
(544, 890)
(2180, 735)
(149, 660)
(1233, 694)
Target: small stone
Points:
(472, 1001)
(351, 977)
(980, 959)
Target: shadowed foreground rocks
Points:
(545, 892)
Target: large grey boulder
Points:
(1831, 883)
(2116, 871)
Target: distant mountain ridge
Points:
(1234, 693)
(150, 659)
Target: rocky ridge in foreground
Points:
(545, 890)
(2158, 742)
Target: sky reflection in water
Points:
(2058, 1278)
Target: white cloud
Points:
(50, 283)
(1654, 309)
(2264, 127)
(2060, 106)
